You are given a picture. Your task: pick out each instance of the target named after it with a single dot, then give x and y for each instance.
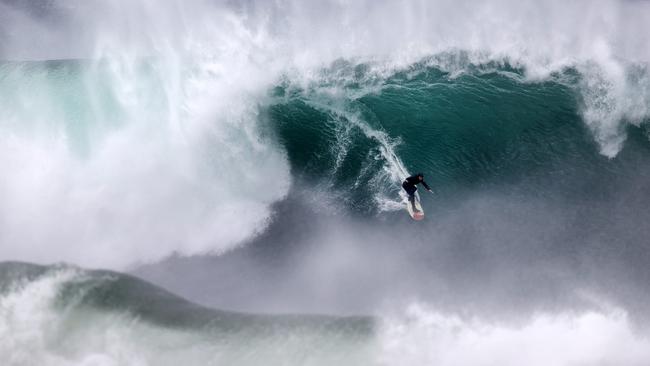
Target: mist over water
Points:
(247, 156)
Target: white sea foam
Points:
(422, 336)
(151, 148)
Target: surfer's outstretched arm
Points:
(426, 186)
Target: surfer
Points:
(409, 186)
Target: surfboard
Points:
(418, 214)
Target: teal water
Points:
(485, 126)
(351, 129)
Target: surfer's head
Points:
(420, 176)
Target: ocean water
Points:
(237, 167)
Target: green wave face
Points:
(485, 125)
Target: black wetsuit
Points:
(409, 186)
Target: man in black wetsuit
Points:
(409, 186)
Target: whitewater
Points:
(217, 182)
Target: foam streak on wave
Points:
(392, 170)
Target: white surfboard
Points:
(418, 213)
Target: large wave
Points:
(165, 130)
